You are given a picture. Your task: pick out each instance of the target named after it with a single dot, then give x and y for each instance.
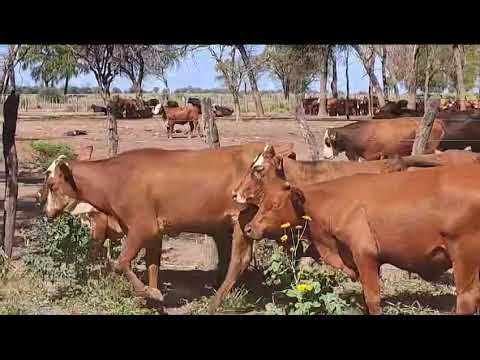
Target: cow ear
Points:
(269, 152)
(66, 173)
(298, 199)
(292, 155)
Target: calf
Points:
(179, 115)
(376, 139)
(165, 193)
(429, 225)
(97, 109)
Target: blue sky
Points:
(199, 71)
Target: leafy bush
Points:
(302, 290)
(51, 95)
(45, 153)
(60, 251)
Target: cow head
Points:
(330, 144)
(265, 167)
(282, 203)
(59, 190)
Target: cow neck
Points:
(301, 172)
(88, 177)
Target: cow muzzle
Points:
(252, 233)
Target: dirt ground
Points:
(183, 262)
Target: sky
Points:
(198, 70)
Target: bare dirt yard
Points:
(183, 273)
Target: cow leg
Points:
(240, 259)
(153, 258)
(123, 265)
(224, 249)
(466, 274)
(361, 241)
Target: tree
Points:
(333, 63)
(292, 65)
(156, 89)
(323, 55)
(404, 63)
(366, 54)
(460, 85)
(50, 63)
(101, 60)
(139, 61)
(249, 67)
(231, 69)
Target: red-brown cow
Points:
(376, 139)
(179, 115)
(429, 225)
(164, 192)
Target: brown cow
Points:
(397, 109)
(179, 115)
(164, 193)
(267, 166)
(429, 225)
(376, 139)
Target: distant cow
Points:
(151, 102)
(179, 115)
(98, 109)
(221, 111)
(396, 109)
(376, 139)
(195, 102)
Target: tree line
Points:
(417, 68)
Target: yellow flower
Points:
(286, 225)
(284, 238)
(299, 227)
(306, 217)
(303, 288)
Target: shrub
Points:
(51, 95)
(45, 153)
(60, 251)
(301, 290)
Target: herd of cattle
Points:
(418, 213)
(357, 107)
(170, 111)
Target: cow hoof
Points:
(153, 294)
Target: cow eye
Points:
(258, 168)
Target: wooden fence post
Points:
(306, 132)
(425, 129)
(210, 132)
(10, 112)
(112, 132)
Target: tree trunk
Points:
(425, 129)
(307, 134)
(412, 79)
(348, 81)
(459, 72)
(286, 89)
(427, 80)
(370, 99)
(10, 111)
(210, 127)
(386, 89)
(236, 107)
(322, 99)
(253, 81)
(368, 64)
(333, 84)
(65, 89)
